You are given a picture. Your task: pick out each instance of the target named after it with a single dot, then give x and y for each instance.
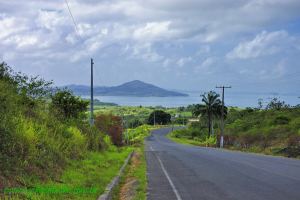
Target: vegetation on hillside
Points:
(48, 150)
(134, 116)
(274, 129)
(40, 130)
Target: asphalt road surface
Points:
(180, 172)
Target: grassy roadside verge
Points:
(133, 183)
(254, 150)
(183, 140)
(83, 179)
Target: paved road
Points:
(178, 171)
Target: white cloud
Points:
(153, 31)
(51, 19)
(208, 62)
(145, 51)
(206, 65)
(166, 63)
(265, 43)
(10, 26)
(150, 34)
(205, 49)
(183, 61)
(21, 41)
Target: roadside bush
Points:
(115, 133)
(136, 135)
(208, 141)
(181, 120)
(76, 144)
(133, 123)
(95, 138)
(191, 133)
(34, 140)
(295, 124)
(264, 130)
(111, 125)
(67, 106)
(280, 120)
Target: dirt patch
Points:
(129, 188)
(135, 161)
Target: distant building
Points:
(194, 120)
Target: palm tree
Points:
(210, 108)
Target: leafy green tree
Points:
(211, 108)
(68, 105)
(31, 90)
(31, 87)
(160, 116)
(276, 104)
(260, 103)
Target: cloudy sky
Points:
(253, 45)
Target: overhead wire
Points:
(77, 31)
(73, 19)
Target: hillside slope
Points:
(132, 88)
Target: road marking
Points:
(169, 179)
(151, 148)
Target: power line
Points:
(74, 22)
(92, 68)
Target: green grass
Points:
(137, 172)
(137, 111)
(140, 174)
(84, 179)
(183, 140)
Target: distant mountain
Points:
(132, 88)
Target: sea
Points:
(236, 99)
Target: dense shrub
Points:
(136, 135)
(195, 130)
(276, 104)
(275, 130)
(281, 120)
(111, 125)
(34, 140)
(133, 123)
(199, 135)
(181, 120)
(65, 104)
(159, 117)
(265, 129)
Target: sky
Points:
(252, 45)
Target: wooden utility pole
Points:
(222, 115)
(92, 93)
(154, 118)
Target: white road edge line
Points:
(151, 148)
(168, 177)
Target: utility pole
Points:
(92, 93)
(154, 117)
(222, 116)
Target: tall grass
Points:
(35, 141)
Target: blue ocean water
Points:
(231, 99)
